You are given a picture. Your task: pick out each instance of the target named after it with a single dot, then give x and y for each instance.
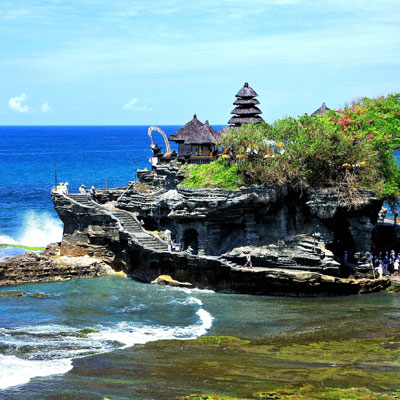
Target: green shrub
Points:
(219, 174)
(344, 151)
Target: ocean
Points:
(37, 342)
(30, 157)
(42, 337)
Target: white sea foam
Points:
(40, 229)
(4, 239)
(16, 371)
(129, 334)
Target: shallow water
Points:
(40, 336)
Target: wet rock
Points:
(167, 280)
(39, 295)
(32, 267)
(15, 293)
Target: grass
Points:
(33, 248)
(219, 174)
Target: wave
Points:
(130, 335)
(50, 349)
(4, 239)
(16, 371)
(38, 230)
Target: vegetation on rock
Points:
(219, 174)
(33, 248)
(345, 151)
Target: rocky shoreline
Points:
(49, 266)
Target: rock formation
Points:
(49, 266)
(296, 240)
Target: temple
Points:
(196, 142)
(246, 110)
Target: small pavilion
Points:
(196, 142)
(321, 111)
(246, 110)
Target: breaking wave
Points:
(49, 349)
(38, 230)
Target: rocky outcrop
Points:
(296, 240)
(214, 222)
(49, 266)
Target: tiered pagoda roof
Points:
(321, 111)
(246, 110)
(195, 132)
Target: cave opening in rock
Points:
(191, 238)
(343, 241)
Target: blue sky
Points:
(157, 62)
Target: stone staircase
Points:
(128, 223)
(131, 225)
(82, 199)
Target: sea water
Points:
(32, 157)
(41, 336)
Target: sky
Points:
(146, 62)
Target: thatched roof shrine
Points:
(195, 132)
(321, 111)
(246, 111)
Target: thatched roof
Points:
(244, 120)
(195, 132)
(240, 102)
(320, 111)
(246, 91)
(246, 111)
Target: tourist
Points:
(396, 267)
(82, 189)
(92, 192)
(248, 262)
(345, 259)
(385, 264)
(379, 270)
(168, 239)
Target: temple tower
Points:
(246, 110)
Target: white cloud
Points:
(45, 108)
(134, 104)
(15, 103)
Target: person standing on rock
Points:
(345, 259)
(82, 189)
(92, 192)
(379, 270)
(168, 239)
(248, 261)
(396, 267)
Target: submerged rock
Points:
(15, 293)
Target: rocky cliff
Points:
(297, 240)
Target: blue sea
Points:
(30, 157)
(37, 341)
(41, 337)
